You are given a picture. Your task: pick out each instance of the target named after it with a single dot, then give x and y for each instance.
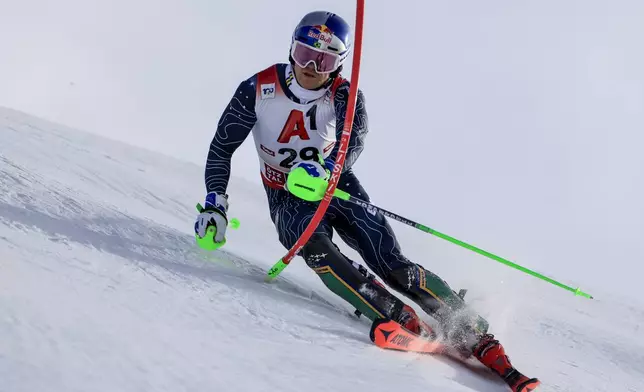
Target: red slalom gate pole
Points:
(342, 152)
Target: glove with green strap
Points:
(211, 223)
(308, 180)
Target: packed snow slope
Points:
(103, 289)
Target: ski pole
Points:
(340, 194)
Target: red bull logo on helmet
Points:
(322, 33)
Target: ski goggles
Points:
(324, 62)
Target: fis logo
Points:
(268, 90)
(321, 33)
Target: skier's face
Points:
(309, 78)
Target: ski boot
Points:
(459, 327)
(492, 354)
(411, 322)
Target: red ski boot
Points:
(492, 354)
(520, 383)
(411, 322)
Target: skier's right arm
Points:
(234, 126)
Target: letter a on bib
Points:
(294, 127)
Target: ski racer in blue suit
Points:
(296, 112)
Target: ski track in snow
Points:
(102, 288)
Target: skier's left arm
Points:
(358, 132)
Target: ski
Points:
(390, 335)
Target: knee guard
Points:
(359, 288)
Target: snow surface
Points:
(103, 289)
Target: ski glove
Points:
(212, 216)
(308, 180)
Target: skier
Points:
(296, 112)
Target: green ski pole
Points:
(308, 192)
